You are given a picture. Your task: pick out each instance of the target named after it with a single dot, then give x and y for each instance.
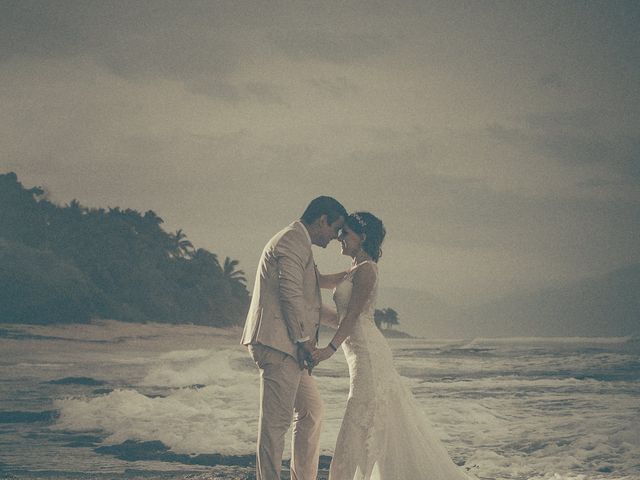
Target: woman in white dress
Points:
(384, 435)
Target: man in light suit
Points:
(281, 331)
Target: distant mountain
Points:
(606, 305)
(421, 313)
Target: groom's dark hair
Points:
(323, 205)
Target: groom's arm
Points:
(291, 258)
(329, 317)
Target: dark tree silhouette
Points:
(390, 317)
(230, 272)
(72, 263)
(386, 316)
(181, 247)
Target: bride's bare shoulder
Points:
(365, 273)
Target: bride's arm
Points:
(330, 280)
(364, 280)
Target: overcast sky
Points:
(498, 141)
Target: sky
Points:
(499, 141)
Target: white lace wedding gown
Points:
(384, 435)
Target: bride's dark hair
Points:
(371, 226)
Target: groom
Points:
(281, 332)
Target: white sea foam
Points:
(220, 417)
(198, 367)
(211, 419)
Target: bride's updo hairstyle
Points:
(367, 224)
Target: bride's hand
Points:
(321, 354)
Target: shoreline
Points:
(118, 336)
(218, 473)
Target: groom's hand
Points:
(302, 356)
(305, 360)
(305, 355)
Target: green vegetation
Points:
(71, 264)
(387, 316)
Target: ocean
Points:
(117, 400)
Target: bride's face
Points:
(350, 241)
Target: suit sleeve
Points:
(292, 257)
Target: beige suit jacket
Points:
(286, 301)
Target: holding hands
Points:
(309, 356)
(322, 354)
(305, 355)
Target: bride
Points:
(384, 435)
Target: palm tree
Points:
(230, 273)
(206, 258)
(390, 317)
(151, 217)
(386, 316)
(180, 245)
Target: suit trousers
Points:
(286, 392)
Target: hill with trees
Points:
(72, 264)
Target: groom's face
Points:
(328, 231)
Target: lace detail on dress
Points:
(384, 435)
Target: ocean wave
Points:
(602, 366)
(548, 341)
(185, 355)
(187, 421)
(27, 417)
(535, 413)
(157, 451)
(198, 367)
(77, 381)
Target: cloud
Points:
(201, 45)
(145, 40)
(553, 80)
(572, 148)
(576, 138)
(265, 92)
(338, 87)
(248, 92)
(213, 87)
(586, 119)
(330, 46)
(226, 117)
